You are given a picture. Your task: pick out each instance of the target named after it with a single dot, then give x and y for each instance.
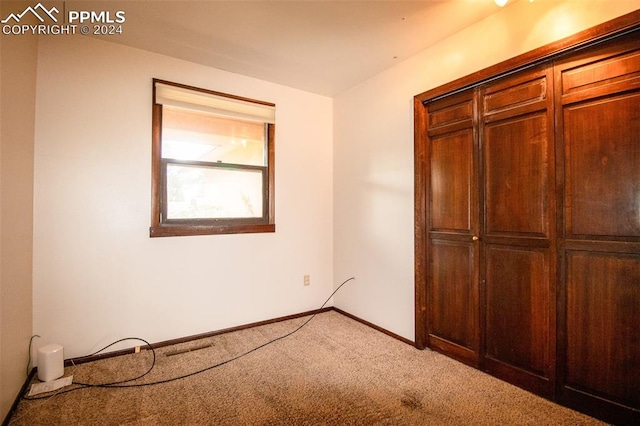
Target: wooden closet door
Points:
(518, 229)
(452, 278)
(598, 115)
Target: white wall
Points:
(97, 274)
(373, 149)
(18, 59)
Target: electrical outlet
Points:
(307, 280)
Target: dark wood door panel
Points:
(598, 131)
(518, 296)
(452, 180)
(524, 95)
(600, 74)
(602, 168)
(517, 202)
(451, 282)
(517, 182)
(451, 113)
(603, 325)
(453, 293)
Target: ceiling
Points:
(323, 47)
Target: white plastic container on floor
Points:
(50, 362)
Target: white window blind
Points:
(214, 104)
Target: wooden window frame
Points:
(162, 227)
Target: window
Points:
(212, 169)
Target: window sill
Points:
(189, 230)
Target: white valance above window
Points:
(182, 97)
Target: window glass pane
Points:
(198, 136)
(195, 192)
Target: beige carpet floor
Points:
(333, 371)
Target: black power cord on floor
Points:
(125, 383)
(153, 364)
